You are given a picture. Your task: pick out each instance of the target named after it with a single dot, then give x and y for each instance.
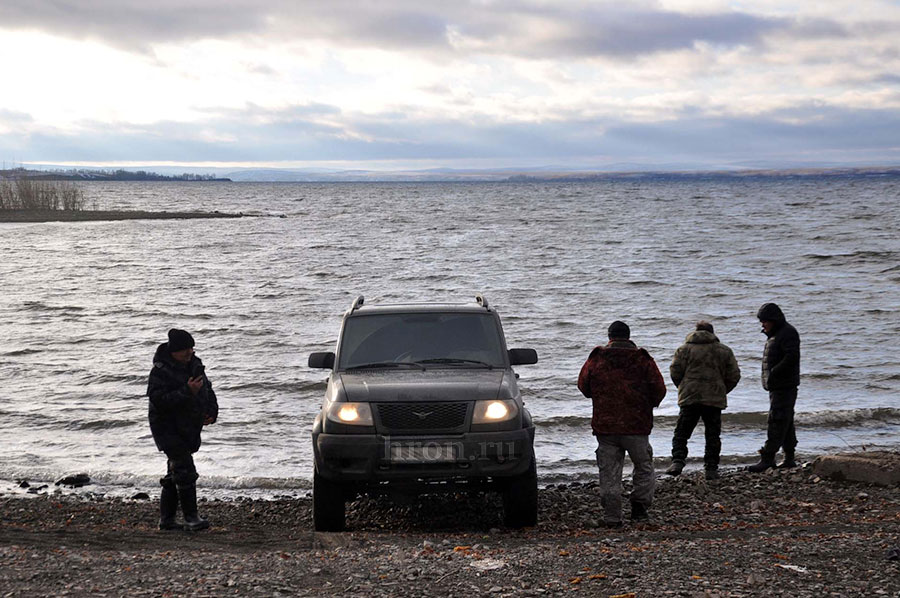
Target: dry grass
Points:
(30, 194)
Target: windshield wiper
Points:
(449, 360)
(386, 364)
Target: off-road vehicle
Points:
(422, 398)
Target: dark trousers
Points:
(781, 432)
(180, 472)
(688, 416)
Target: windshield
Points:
(432, 339)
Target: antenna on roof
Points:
(357, 303)
(482, 301)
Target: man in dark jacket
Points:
(182, 401)
(781, 377)
(624, 385)
(705, 371)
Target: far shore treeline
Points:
(81, 174)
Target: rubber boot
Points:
(675, 468)
(168, 506)
(711, 472)
(765, 462)
(188, 497)
(639, 512)
(789, 461)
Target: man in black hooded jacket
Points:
(182, 401)
(781, 377)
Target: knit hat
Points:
(619, 330)
(179, 340)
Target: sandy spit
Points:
(101, 215)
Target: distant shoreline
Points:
(103, 215)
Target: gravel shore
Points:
(782, 533)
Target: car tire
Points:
(328, 505)
(520, 499)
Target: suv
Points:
(422, 399)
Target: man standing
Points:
(182, 401)
(705, 371)
(781, 377)
(624, 385)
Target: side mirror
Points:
(324, 360)
(522, 356)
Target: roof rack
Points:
(482, 301)
(357, 303)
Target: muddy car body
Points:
(422, 398)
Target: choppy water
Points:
(85, 304)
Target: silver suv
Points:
(422, 398)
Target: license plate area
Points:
(424, 452)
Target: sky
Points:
(418, 84)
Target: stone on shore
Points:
(876, 467)
(77, 480)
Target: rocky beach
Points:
(781, 533)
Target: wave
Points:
(41, 306)
(856, 257)
(288, 387)
(841, 418)
(19, 352)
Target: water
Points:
(85, 304)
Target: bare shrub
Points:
(23, 193)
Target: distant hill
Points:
(622, 171)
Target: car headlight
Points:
(488, 412)
(353, 414)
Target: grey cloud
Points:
(640, 33)
(133, 24)
(578, 30)
(14, 117)
(296, 135)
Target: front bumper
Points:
(367, 458)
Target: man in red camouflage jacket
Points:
(625, 385)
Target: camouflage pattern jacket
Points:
(704, 370)
(624, 385)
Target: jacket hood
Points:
(771, 312)
(164, 357)
(701, 337)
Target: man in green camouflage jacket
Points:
(705, 371)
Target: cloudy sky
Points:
(398, 84)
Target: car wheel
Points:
(520, 499)
(328, 505)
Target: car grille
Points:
(397, 417)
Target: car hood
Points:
(428, 385)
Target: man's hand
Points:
(208, 420)
(195, 384)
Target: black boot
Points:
(711, 472)
(192, 521)
(639, 512)
(675, 468)
(168, 506)
(765, 462)
(789, 461)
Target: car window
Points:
(451, 338)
